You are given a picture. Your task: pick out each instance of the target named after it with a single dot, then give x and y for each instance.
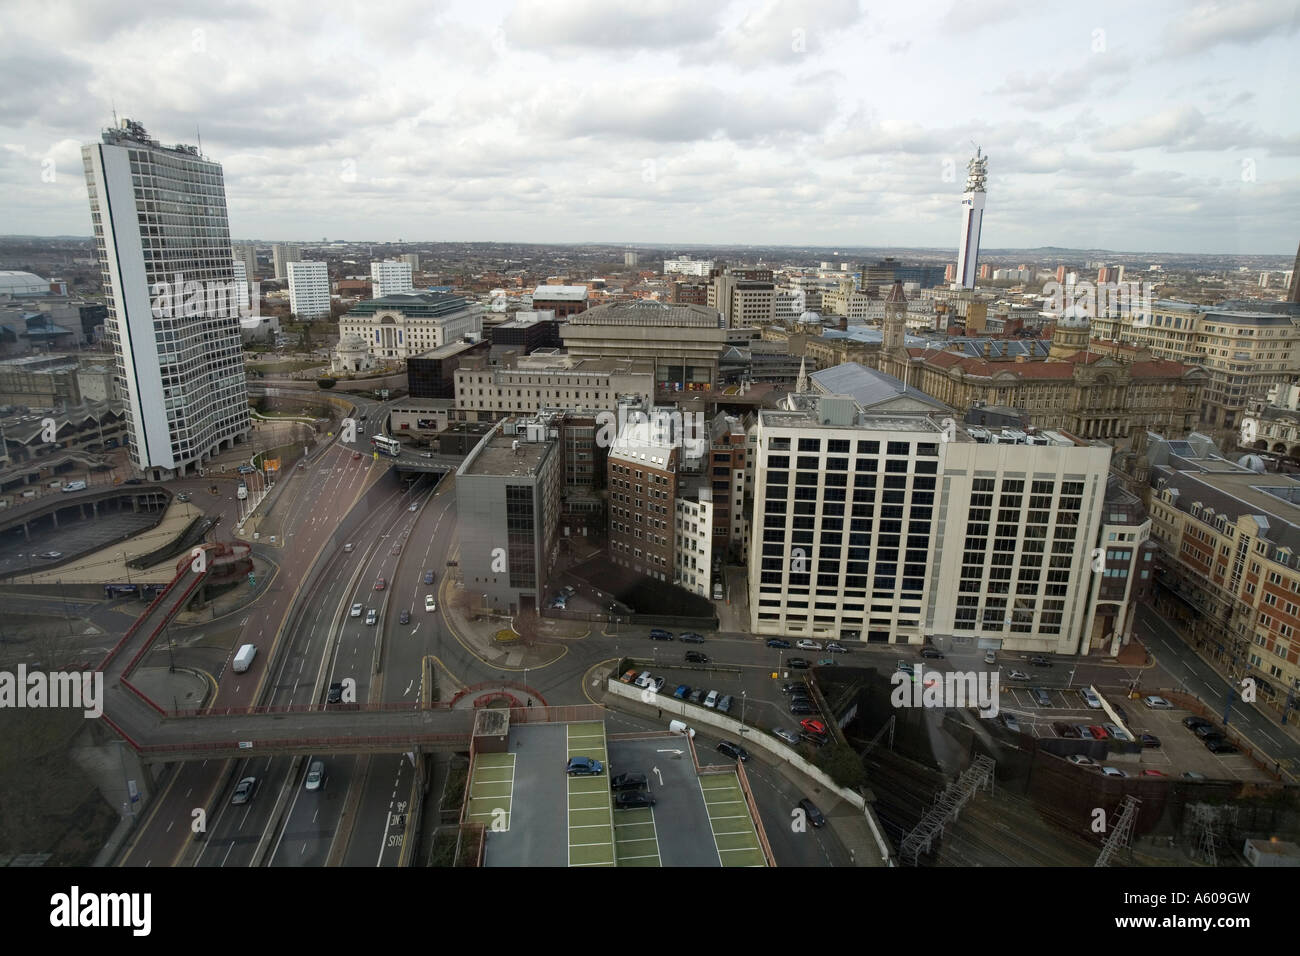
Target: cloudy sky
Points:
(1155, 126)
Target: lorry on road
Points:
(244, 658)
(242, 492)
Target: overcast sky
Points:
(1160, 126)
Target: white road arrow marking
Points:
(659, 775)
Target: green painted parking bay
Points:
(590, 817)
(491, 790)
(734, 835)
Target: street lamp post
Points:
(743, 728)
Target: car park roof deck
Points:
(547, 818)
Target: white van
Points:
(717, 590)
(679, 727)
(245, 657)
(242, 491)
(75, 486)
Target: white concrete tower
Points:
(972, 217)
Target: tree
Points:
(843, 764)
(527, 627)
(325, 382)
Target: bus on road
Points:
(386, 446)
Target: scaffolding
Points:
(947, 804)
(1206, 818)
(1121, 835)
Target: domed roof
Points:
(811, 318)
(1253, 462)
(352, 343)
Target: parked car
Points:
(789, 736)
(733, 750)
(1081, 761)
(356, 456)
(1090, 698)
(1018, 675)
(1113, 772)
(244, 791)
(633, 800)
(335, 694)
(695, 657)
(1083, 731)
(1152, 773)
(583, 767)
(791, 687)
(681, 691)
(1118, 732)
(697, 696)
(404, 617)
(990, 657)
(931, 653)
(315, 775)
(825, 662)
(807, 645)
(811, 813)
(813, 725)
(1013, 725)
(814, 739)
(1041, 697)
(1221, 746)
(690, 637)
(1157, 703)
(798, 663)
(1098, 733)
(183, 497)
(778, 642)
(1191, 723)
(799, 707)
(658, 683)
(356, 610)
(644, 680)
(724, 704)
(632, 780)
(50, 555)
(837, 647)
(1039, 661)
(1206, 731)
(1121, 713)
(629, 675)
(1069, 731)
(711, 701)
(1150, 740)
(1194, 775)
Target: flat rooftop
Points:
(500, 459)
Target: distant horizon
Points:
(665, 246)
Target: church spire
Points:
(801, 385)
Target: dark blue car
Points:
(681, 691)
(583, 767)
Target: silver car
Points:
(315, 775)
(789, 736)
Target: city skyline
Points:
(802, 123)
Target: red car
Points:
(1099, 733)
(813, 726)
(1152, 773)
(356, 456)
(380, 585)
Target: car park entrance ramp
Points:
(591, 823)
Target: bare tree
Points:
(528, 627)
